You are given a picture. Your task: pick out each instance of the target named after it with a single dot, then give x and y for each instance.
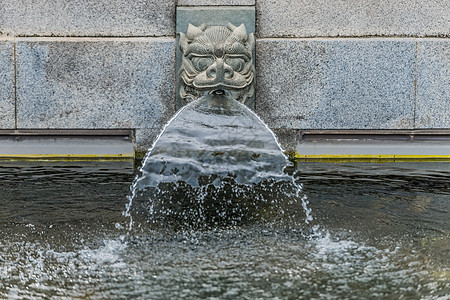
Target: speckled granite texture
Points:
(87, 18)
(336, 18)
(95, 83)
(433, 83)
(336, 84)
(7, 102)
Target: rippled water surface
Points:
(379, 231)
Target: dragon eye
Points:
(201, 63)
(236, 63)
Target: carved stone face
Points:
(217, 58)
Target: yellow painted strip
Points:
(297, 155)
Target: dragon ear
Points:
(193, 32)
(231, 26)
(241, 33)
(251, 41)
(183, 41)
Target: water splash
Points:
(215, 163)
(374, 242)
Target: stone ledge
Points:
(373, 149)
(66, 148)
(66, 144)
(370, 144)
(85, 133)
(322, 18)
(336, 83)
(7, 101)
(87, 18)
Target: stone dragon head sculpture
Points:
(216, 58)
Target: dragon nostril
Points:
(211, 73)
(228, 72)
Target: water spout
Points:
(216, 162)
(214, 136)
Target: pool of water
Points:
(377, 231)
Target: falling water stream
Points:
(216, 211)
(215, 164)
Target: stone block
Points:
(336, 84)
(215, 2)
(87, 18)
(7, 101)
(433, 84)
(320, 18)
(95, 83)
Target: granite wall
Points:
(320, 64)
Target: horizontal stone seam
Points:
(353, 37)
(84, 36)
(10, 37)
(88, 39)
(350, 39)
